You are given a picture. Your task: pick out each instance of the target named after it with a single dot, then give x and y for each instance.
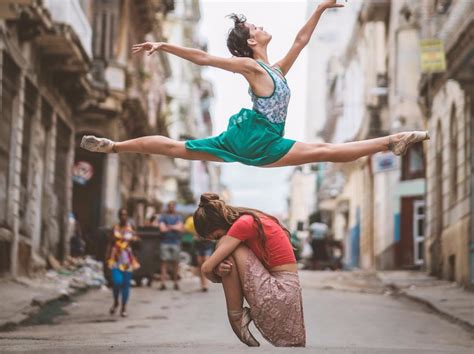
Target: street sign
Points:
(384, 161)
(432, 56)
(82, 172)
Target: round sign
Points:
(82, 172)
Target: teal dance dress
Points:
(254, 136)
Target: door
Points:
(410, 252)
(419, 232)
(87, 193)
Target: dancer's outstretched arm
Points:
(235, 64)
(304, 35)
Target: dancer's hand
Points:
(149, 47)
(224, 268)
(330, 4)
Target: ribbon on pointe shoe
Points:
(244, 333)
(400, 147)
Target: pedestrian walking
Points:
(202, 247)
(122, 261)
(254, 136)
(253, 259)
(77, 245)
(171, 227)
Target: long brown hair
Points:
(214, 214)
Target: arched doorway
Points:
(88, 173)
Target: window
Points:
(413, 163)
(453, 156)
(419, 231)
(106, 16)
(442, 6)
(10, 83)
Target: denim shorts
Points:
(204, 252)
(169, 252)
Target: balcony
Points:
(62, 50)
(70, 12)
(375, 10)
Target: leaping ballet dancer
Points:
(254, 136)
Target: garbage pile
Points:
(76, 273)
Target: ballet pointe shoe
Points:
(94, 144)
(242, 318)
(400, 147)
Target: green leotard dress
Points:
(254, 136)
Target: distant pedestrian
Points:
(253, 259)
(76, 243)
(171, 227)
(122, 261)
(203, 249)
(154, 219)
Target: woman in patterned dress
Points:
(122, 261)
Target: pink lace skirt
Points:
(275, 304)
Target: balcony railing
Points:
(71, 13)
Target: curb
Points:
(446, 315)
(35, 306)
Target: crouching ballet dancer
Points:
(254, 136)
(253, 259)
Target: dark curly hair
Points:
(238, 36)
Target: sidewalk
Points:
(355, 281)
(23, 297)
(446, 298)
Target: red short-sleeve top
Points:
(278, 247)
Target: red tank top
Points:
(278, 247)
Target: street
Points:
(189, 321)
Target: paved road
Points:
(189, 321)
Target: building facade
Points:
(448, 98)
(44, 66)
(67, 70)
(410, 212)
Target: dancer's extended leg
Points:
(302, 153)
(155, 144)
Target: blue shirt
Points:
(171, 237)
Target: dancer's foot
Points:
(240, 320)
(94, 144)
(399, 143)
